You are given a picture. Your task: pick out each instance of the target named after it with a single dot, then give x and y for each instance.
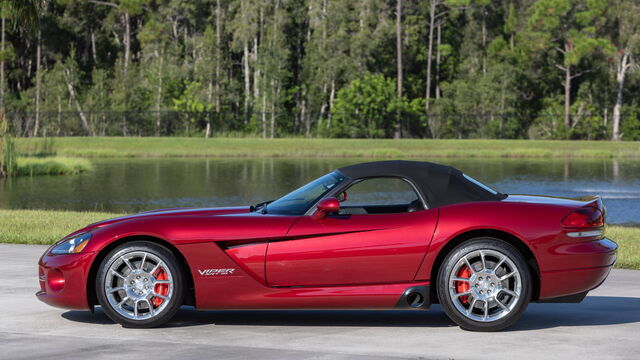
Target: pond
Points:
(132, 185)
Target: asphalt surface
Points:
(606, 325)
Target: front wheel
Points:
(140, 284)
(484, 284)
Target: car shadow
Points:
(593, 311)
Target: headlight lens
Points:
(73, 245)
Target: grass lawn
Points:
(45, 227)
(300, 147)
(30, 166)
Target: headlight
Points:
(73, 245)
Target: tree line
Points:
(554, 69)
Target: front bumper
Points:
(595, 258)
(63, 280)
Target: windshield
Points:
(300, 200)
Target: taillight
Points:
(584, 217)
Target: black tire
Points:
(472, 248)
(174, 301)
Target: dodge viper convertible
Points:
(379, 235)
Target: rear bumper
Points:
(63, 280)
(600, 254)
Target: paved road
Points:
(605, 326)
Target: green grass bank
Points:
(301, 147)
(32, 166)
(45, 227)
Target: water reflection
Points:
(140, 184)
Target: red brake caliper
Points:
(161, 289)
(463, 286)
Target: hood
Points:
(167, 212)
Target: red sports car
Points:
(407, 235)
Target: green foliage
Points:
(369, 107)
(9, 164)
(631, 124)
(305, 68)
(189, 100)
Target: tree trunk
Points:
(397, 131)
(127, 40)
(432, 18)
(263, 123)
(72, 95)
(484, 42)
(305, 119)
(207, 132)
(36, 126)
(218, 53)
(273, 110)
(567, 97)
(437, 77)
(59, 116)
(247, 82)
(324, 105)
(617, 108)
(159, 97)
(93, 49)
(332, 96)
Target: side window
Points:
(381, 195)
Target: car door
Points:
(374, 239)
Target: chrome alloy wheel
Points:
(485, 285)
(138, 285)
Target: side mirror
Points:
(326, 206)
(343, 196)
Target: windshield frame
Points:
(340, 181)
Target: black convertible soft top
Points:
(439, 185)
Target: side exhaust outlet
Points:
(415, 297)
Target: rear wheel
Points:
(484, 284)
(140, 284)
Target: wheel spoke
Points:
(112, 290)
(135, 308)
(497, 265)
(460, 279)
(505, 277)
(118, 274)
(160, 296)
(503, 306)
(144, 258)
(150, 306)
(162, 282)
(122, 301)
(473, 305)
(486, 310)
(466, 260)
(484, 262)
(126, 261)
(512, 293)
(155, 268)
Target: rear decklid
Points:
(583, 212)
(589, 200)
